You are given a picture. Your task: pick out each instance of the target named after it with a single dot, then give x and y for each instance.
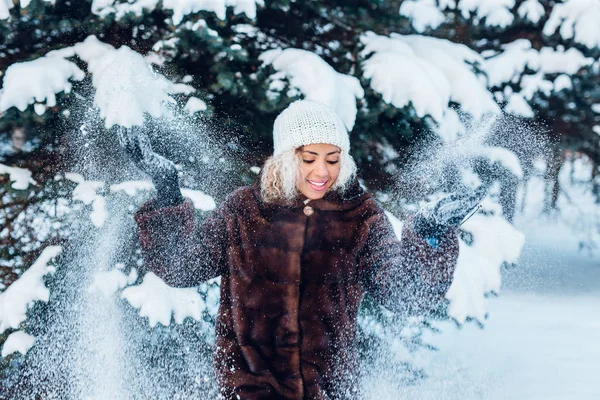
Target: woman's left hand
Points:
(432, 222)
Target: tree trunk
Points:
(551, 178)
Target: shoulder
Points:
(371, 208)
(244, 193)
(243, 198)
(378, 220)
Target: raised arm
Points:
(175, 247)
(412, 276)
(409, 276)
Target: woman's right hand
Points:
(162, 171)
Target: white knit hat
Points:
(308, 122)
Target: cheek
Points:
(334, 171)
(302, 172)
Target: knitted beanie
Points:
(308, 122)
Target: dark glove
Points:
(433, 221)
(162, 171)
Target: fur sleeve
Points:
(177, 248)
(408, 277)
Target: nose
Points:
(321, 170)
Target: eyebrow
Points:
(316, 154)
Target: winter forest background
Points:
(439, 95)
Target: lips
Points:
(318, 186)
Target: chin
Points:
(317, 196)
(314, 195)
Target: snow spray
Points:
(92, 343)
(497, 152)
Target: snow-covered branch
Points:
(316, 80)
(180, 8)
(37, 82)
(30, 287)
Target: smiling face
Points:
(319, 169)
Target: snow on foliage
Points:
(85, 192)
(201, 200)
(402, 78)
(531, 10)
(423, 14)
(467, 89)
(496, 13)
(425, 72)
(18, 341)
(159, 301)
(316, 79)
(37, 82)
(517, 105)
(562, 82)
(219, 7)
(180, 8)
(477, 273)
(495, 241)
(450, 127)
(127, 88)
(577, 20)
(531, 84)
(502, 156)
(6, 5)
(194, 105)
(30, 287)
(556, 61)
(20, 177)
(91, 50)
(428, 13)
(510, 64)
(109, 282)
(517, 57)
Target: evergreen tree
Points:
(232, 69)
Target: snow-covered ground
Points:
(541, 340)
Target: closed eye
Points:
(333, 162)
(308, 161)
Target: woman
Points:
(296, 254)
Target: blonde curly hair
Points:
(279, 177)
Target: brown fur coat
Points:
(291, 284)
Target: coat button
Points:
(308, 211)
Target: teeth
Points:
(317, 184)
